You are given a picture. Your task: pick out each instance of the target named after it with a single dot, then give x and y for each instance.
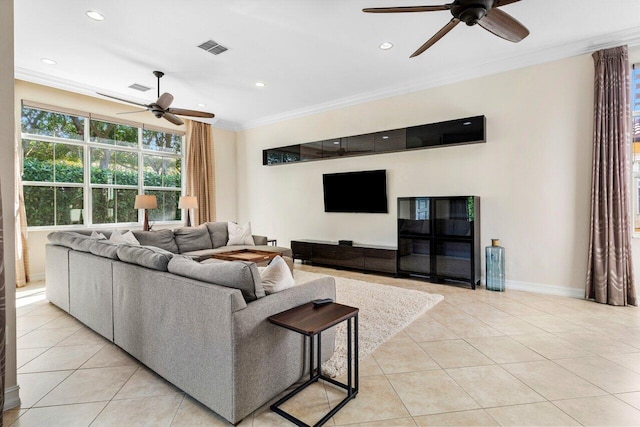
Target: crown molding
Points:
(630, 37)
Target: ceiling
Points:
(312, 55)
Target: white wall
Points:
(224, 154)
(7, 139)
(533, 174)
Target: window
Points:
(84, 170)
(635, 134)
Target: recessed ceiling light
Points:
(336, 142)
(202, 105)
(48, 61)
(95, 15)
(386, 46)
(259, 84)
(466, 123)
(385, 137)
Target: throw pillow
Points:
(98, 236)
(276, 276)
(128, 237)
(240, 235)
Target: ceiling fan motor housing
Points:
(156, 110)
(471, 11)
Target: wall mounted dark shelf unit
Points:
(377, 259)
(469, 130)
(439, 238)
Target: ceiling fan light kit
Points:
(482, 12)
(161, 108)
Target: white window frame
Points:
(87, 186)
(635, 164)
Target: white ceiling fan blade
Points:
(165, 100)
(132, 112)
(123, 100)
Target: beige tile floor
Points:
(478, 358)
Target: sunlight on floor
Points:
(30, 294)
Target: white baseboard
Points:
(37, 277)
(11, 397)
(545, 289)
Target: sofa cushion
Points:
(71, 239)
(162, 239)
(192, 238)
(105, 248)
(106, 233)
(236, 274)
(276, 276)
(62, 238)
(240, 235)
(146, 256)
(219, 233)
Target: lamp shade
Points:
(188, 202)
(144, 201)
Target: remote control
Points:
(322, 301)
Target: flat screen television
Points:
(361, 192)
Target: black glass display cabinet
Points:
(439, 238)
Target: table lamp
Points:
(145, 202)
(188, 202)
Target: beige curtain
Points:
(22, 250)
(200, 170)
(3, 316)
(610, 269)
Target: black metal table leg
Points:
(310, 357)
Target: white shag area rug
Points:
(384, 311)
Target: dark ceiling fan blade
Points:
(165, 100)
(173, 119)
(124, 100)
(503, 25)
(500, 3)
(402, 9)
(440, 34)
(191, 113)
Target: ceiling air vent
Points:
(212, 47)
(139, 87)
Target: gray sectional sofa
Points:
(201, 326)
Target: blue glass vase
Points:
(495, 266)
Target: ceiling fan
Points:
(482, 12)
(161, 108)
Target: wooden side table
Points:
(310, 321)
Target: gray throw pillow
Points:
(105, 249)
(146, 256)
(191, 239)
(232, 274)
(162, 239)
(219, 233)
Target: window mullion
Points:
(140, 173)
(87, 205)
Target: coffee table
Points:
(250, 255)
(311, 321)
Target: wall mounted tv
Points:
(359, 192)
